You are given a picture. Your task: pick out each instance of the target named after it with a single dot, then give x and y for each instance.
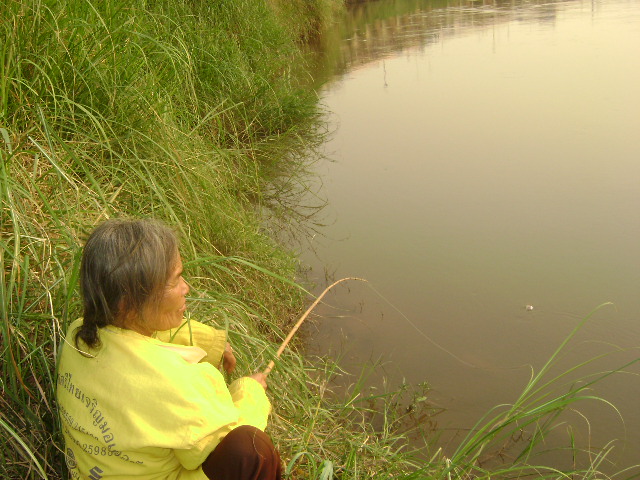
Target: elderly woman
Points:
(139, 391)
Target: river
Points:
(484, 177)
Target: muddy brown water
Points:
(484, 177)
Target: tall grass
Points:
(179, 110)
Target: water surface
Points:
(486, 158)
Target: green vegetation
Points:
(185, 111)
(189, 112)
(519, 431)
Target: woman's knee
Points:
(245, 453)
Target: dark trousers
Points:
(246, 453)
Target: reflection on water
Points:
(378, 29)
(486, 159)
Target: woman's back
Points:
(132, 404)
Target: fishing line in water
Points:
(295, 328)
(436, 344)
(386, 300)
(417, 329)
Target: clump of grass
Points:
(309, 18)
(509, 441)
(177, 110)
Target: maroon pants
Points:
(246, 453)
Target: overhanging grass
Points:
(538, 410)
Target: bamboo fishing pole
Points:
(301, 320)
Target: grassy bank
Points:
(184, 111)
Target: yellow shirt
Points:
(141, 407)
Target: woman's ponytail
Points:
(88, 333)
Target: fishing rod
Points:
(301, 320)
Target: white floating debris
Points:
(529, 307)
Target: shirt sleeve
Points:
(252, 402)
(249, 402)
(211, 415)
(197, 334)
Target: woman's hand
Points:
(261, 378)
(228, 359)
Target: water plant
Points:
(518, 431)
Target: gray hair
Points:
(125, 265)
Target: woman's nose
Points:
(185, 287)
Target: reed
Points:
(540, 408)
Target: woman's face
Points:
(168, 312)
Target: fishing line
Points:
(405, 317)
(433, 342)
(315, 303)
(417, 329)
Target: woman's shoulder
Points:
(138, 366)
(73, 326)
